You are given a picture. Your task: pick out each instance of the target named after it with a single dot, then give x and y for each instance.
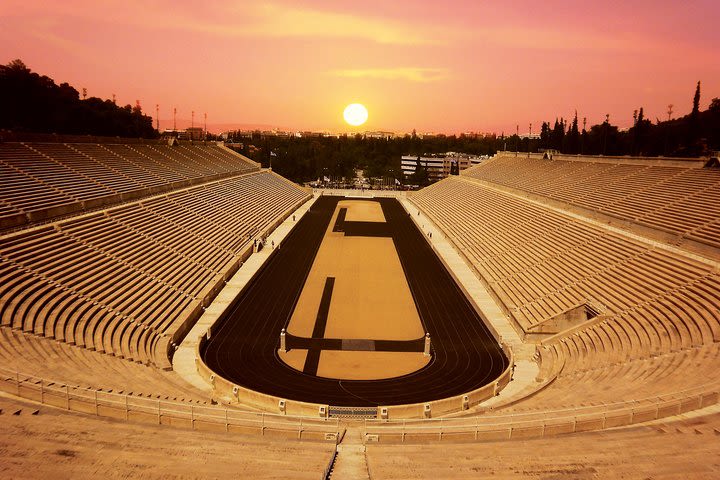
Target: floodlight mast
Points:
(529, 138)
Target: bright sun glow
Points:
(355, 114)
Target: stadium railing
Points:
(543, 423)
(163, 412)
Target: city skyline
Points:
(447, 68)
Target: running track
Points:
(243, 347)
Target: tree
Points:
(694, 121)
(420, 176)
(639, 132)
(557, 136)
(715, 105)
(573, 140)
(696, 101)
(35, 103)
(454, 168)
(545, 135)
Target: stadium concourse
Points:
(598, 275)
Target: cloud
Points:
(411, 74)
(240, 19)
(44, 30)
(275, 21)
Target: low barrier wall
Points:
(163, 412)
(542, 423)
(452, 404)
(231, 392)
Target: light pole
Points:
(669, 112)
(607, 127)
(529, 140)
(157, 117)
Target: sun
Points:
(355, 114)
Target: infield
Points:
(369, 300)
(244, 346)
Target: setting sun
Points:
(355, 114)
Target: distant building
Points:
(532, 136)
(380, 135)
(195, 133)
(190, 133)
(439, 165)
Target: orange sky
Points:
(448, 66)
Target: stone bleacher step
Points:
(350, 463)
(19, 411)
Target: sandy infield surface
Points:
(370, 300)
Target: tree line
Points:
(33, 103)
(310, 157)
(692, 135)
(30, 102)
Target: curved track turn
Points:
(243, 347)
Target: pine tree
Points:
(639, 132)
(558, 134)
(545, 135)
(696, 101)
(694, 122)
(574, 136)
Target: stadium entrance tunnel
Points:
(354, 289)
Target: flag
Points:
(326, 179)
(397, 182)
(273, 154)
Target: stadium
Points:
(183, 292)
(380, 260)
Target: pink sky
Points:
(448, 66)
